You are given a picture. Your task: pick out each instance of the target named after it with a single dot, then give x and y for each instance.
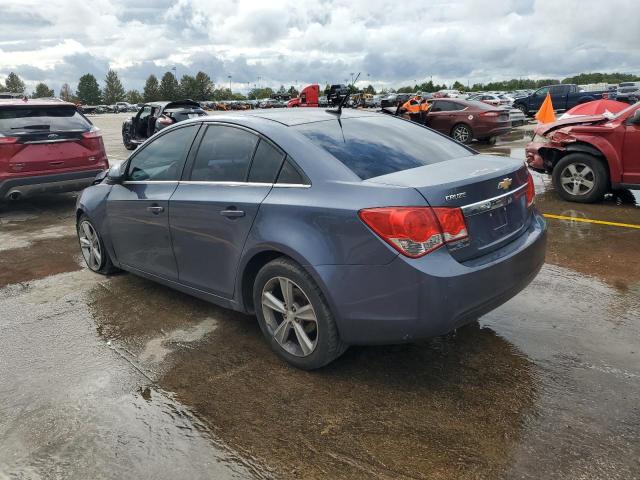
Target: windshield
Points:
(374, 146)
(38, 118)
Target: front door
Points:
(212, 211)
(138, 210)
(631, 153)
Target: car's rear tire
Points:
(92, 247)
(294, 316)
(580, 177)
(462, 133)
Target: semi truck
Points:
(309, 97)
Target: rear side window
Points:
(224, 155)
(164, 157)
(291, 175)
(374, 146)
(30, 119)
(266, 163)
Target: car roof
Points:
(298, 116)
(35, 102)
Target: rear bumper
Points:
(54, 183)
(412, 299)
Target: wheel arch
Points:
(257, 259)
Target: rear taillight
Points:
(7, 140)
(415, 231)
(489, 114)
(531, 190)
(93, 133)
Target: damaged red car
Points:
(589, 156)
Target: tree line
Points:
(200, 87)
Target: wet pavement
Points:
(118, 377)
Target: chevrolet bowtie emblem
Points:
(505, 184)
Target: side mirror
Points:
(635, 119)
(116, 173)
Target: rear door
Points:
(138, 210)
(213, 209)
(631, 153)
(559, 96)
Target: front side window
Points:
(224, 155)
(164, 157)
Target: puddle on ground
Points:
(43, 258)
(158, 348)
(74, 407)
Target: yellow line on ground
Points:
(588, 220)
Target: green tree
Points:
(113, 90)
(65, 93)
(370, 89)
(203, 87)
(88, 91)
(458, 86)
(188, 88)
(293, 91)
(151, 91)
(133, 96)
(169, 88)
(14, 84)
(42, 90)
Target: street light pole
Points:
(229, 77)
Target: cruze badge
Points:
(455, 196)
(504, 184)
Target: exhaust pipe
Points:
(14, 195)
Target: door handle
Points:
(155, 209)
(232, 213)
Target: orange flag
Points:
(546, 113)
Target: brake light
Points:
(415, 231)
(489, 114)
(7, 140)
(93, 133)
(531, 190)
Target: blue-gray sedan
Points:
(358, 228)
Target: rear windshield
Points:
(374, 146)
(31, 119)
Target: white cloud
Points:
(309, 40)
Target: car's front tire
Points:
(92, 247)
(580, 177)
(294, 316)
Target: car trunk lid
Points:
(490, 190)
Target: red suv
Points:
(47, 146)
(589, 155)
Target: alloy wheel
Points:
(577, 179)
(290, 316)
(461, 134)
(90, 245)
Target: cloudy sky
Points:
(275, 42)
